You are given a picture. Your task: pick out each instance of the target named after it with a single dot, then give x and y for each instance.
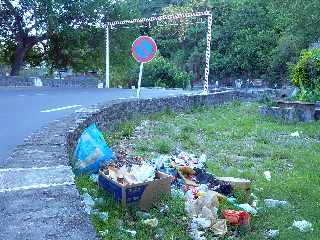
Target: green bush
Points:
(306, 75)
(160, 73)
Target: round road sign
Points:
(144, 49)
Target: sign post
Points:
(143, 50)
(107, 59)
(140, 78)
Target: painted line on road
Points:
(60, 108)
(36, 186)
(33, 168)
(16, 179)
(22, 95)
(122, 98)
(41, 94)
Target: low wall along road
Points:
(81, 82)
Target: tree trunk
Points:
(19, 55)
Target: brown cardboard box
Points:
(241, 183)
(144, 194)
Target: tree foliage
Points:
(250, 38)
(27, 23)
(306, 75)
(160, 72)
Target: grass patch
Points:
(172, 224)
(239, 143)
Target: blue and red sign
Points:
(144, 49)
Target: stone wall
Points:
(292, 111)
(15, 82)
(106, 115)
(76, 82)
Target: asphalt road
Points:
(24, 110)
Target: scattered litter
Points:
(255, 203)
(94, 178)
(248, 208)
(88, 202)
(104, 233)
(185, 159)
(303, 226)
(143, 215)
(202, 191)
(160, 234)
(272, 203)
(219, 228)
(237, 217)
(177, 192)
(244, 206)
(91, 152)
(153, 222)
(143, 173)
(197, 235)
(131, 232)
(271, 233)
(131, 175)
(295, 134)
(267, 175)
(126, 186)
(102, 215)
(162, 161)
(99, 201)
(241, 183)
(200, 223)
(203, 211)
(205, 206)
(164, 209)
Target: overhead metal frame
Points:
(110, 25)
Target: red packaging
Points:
(237, 217)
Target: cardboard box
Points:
(241, 183)
(144, 194)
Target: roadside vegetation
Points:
(250, 38)
(237, 142)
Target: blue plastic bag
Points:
(92, 151)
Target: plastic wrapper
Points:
(237, 217)
(91, 152)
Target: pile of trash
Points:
(203, 194)
(207, 197)
(203, 191)
(129, 175)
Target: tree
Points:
(185, 45)
(27, 23)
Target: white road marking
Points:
(60, 108)
(34, 168)
(22, 95)
(122, 98)
(15, 179)
(40, 94)
(36, 186)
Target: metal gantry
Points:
(110, 25)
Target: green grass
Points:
(239, 143)
(172, 224)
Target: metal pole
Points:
(207, 69)
(107, 59)
(140, 78)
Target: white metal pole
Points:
(207, 69)
(107, 59)
(140, 78)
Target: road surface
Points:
(24, 110)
